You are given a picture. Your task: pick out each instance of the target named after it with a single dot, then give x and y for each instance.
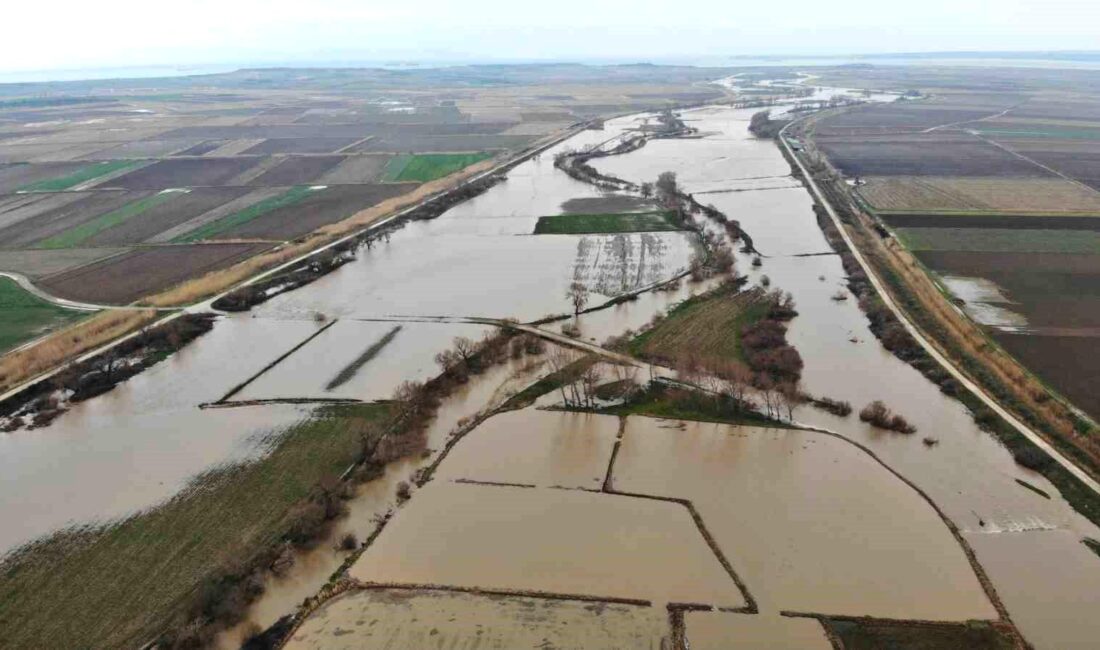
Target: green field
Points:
(82, 175)
(428, 167)
(708, 325)
(254, 211)
(78, 235)
(119, 585)
(611, 222)
(24, 316)
(1000, 240)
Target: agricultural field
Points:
(24, 316)
(583, 224)
(428, 167)
(997, 191)
(100, 169)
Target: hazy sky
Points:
(67, 34)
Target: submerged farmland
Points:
(522, 525)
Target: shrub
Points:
(878, 415)
(1032, 458)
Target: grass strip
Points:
(85, 231)
(24, 316)
(254, 211)
(120, 584)
(428, 167)
(610, 222)
(349, 371)
(394, 167)
(82, 175)
(871, 634)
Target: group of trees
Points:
(879, 415)
(763, 126)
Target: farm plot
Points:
(991, 220)
(939, 194)
(256, 210)
(113, 219)
(356, 169)
(402, 618)
(202, 148)
(308, 211)
(181, 207)
(930, 155)
(80, 176)
(892, 118)
(17, 207)
(184, 172)
(145, 148)
(40, 263)
(398, 143)
(1068, 363)
(125, 278)
(59, 217)
(300, 145)
(1080, 161)
(582, 224)
(296, 170)
(17, 175)
(24, 316)
(1001, 240)
(428, 167)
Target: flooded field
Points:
(550, 541)
(389, 618)
(842, 545)
(537, 448)
(716, 630)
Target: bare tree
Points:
(465, 348)
(590, 378)
(647, 190)
(578, 296)
(667, 185)
(559, 359)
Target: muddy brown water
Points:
(811, 522)
(138, 445)
(714, 630)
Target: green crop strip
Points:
(428, 167)
(254, 211)
(82, 175)
(613, 222)
(85, 231)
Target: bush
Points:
(878, 415)
(1032, 458)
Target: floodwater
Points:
(718, 630)
(985, 302)
(388, 619)
(409, 355)
(810, 522)
(139, 444)
(538, 448)
(967, 473)
(548, 540)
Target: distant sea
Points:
(1071, 60)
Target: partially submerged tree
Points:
(578, 296)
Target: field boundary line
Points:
(920, 337)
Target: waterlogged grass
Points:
(875, 634)
(85, 231)
(82, 175)
(708, 325)
(120, 585)
(1001, 240)
(24, 316)
(428, 167)
(611, 222)
(254, 211)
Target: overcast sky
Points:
(67, 34)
